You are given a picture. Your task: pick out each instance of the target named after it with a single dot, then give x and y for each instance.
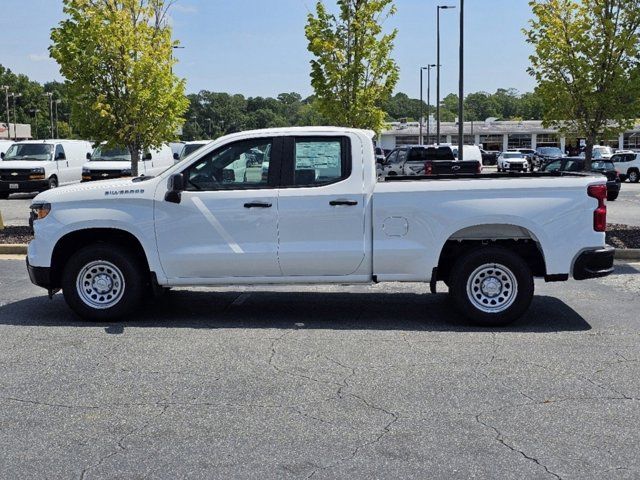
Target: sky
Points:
(258, 47)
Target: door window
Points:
(238, 166)
(392, 158)
(59, 153)
(320, 161)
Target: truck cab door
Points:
(224, 225)
(321, 210)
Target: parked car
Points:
(628, 165)
(427, 160)
(486, 237)
(605, 167)
(471, 152)
(189, 148)
(513, 161)
(489, 158)
(38, 165)
(544, 155)
(529, 154)
(115, 162)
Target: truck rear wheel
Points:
(103, 282)
(491, 286)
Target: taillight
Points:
(428, 168)
(599, 192)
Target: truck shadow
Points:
(285, 310)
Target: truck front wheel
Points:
(491, 286)
(103, 282)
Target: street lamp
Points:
(440, 7)
(50, 95)
(461, 88)
(34, 112)
(15, 117)
(57, 102)
(6, 96)
(422, 69)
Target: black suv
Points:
(576, 164)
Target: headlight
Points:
(37, 171)
(40, 210)
(126, 171)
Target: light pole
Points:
(57, 102)
(6, 96)
(50, 95)
(35, 112)
(440, 7)
(461, 87)
(15, 116)
(422, 69)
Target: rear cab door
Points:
(321, 206)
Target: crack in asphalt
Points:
(500, 439)
(119, 446)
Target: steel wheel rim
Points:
(492, 288)
(100, 285)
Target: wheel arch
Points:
(515, 238)
(72, 241)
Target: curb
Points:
(19, 249)
(13, 249)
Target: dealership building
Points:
(494, 135)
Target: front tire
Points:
(611, 197)
(103, 282)
(53, 183)
(491, 286)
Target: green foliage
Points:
(586, 64)
(117, 58)
(352, 72)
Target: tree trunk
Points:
(588, 152)
(135, 159)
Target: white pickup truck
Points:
(308, 210)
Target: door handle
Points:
(257, 205)
(348, 203)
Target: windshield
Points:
(189, 149)
(29, 151)
(102, 154)
(512, 155)
(553, 151)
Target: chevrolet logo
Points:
(14, 174)
(104, 175)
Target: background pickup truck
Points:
(427, 160)
(311, 213)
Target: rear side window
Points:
(320, 161)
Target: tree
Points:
(352, 72)
(117, 58)
(586, 63)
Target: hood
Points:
(22, 164)
(116, 166)
(98, 190)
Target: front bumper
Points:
(594, 263)
(40, 276)
(23, 186)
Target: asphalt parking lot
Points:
(625, 210)
(321, 382)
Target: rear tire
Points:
(103, 282)
(633, 176)
(491, 286)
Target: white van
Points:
(38, 165)
(471, 152)
(115, 162)
(190, 147)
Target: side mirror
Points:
(88, 155)
(2, 155)
(177, 185)
(176, 156)
(61, 156)
(147, 156)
